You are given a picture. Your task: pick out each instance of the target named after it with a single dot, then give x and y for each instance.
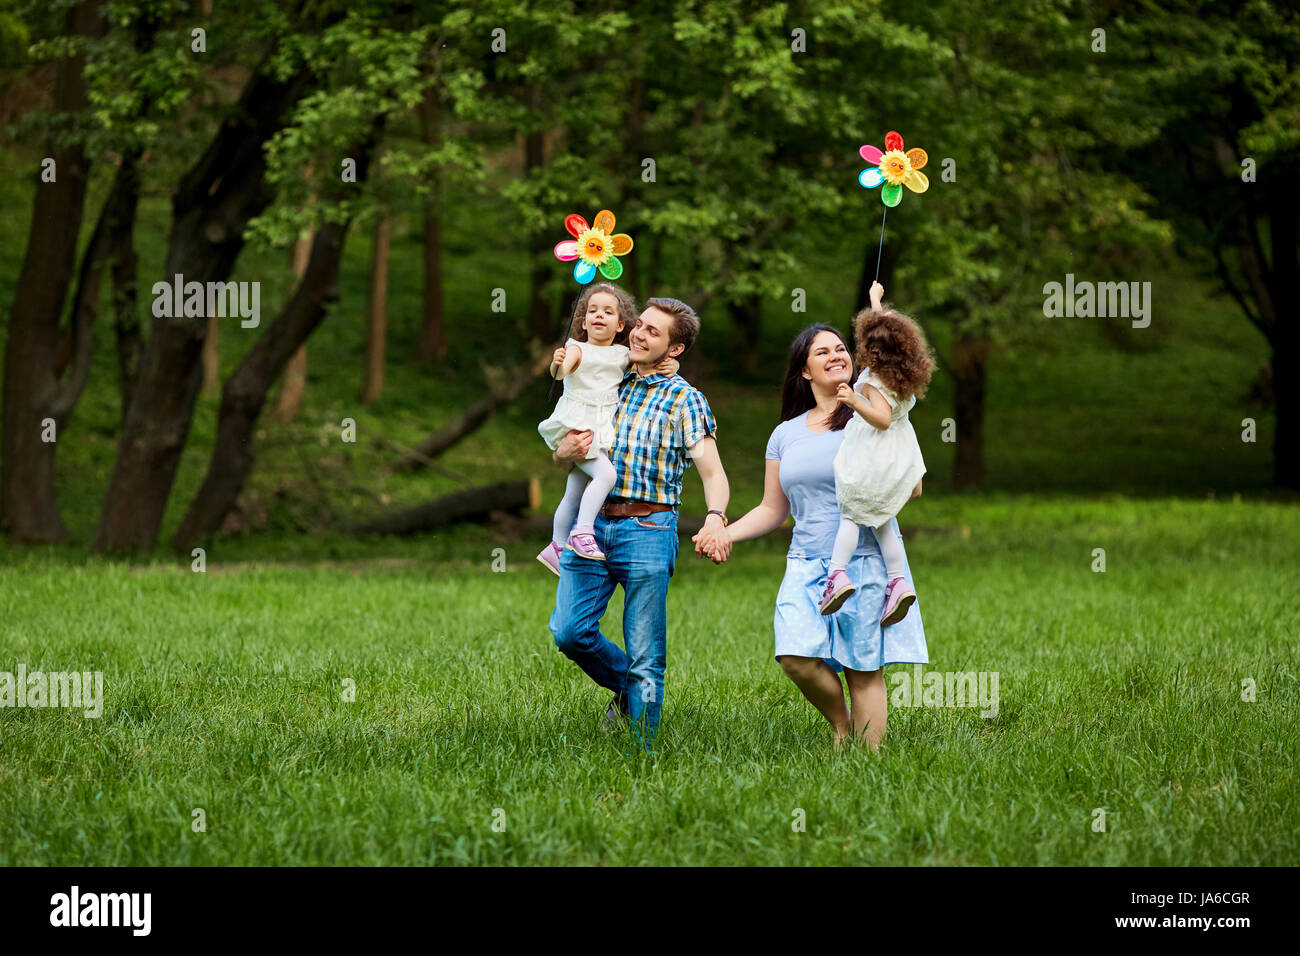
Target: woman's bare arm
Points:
(769, 514)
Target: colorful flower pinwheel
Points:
(595, 247)
(894, 168)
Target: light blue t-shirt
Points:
(808, 480)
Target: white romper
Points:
(590, 397)
(875, 471)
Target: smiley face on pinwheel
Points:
(894, 169)
(595, 247)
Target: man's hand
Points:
(712, 540)
(573, 448)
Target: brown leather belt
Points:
(632, 509)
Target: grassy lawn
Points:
(1119, 690)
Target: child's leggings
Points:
(589, 485)
(891, 547)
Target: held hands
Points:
(712, 541)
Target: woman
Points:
(812, 648)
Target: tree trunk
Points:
(1286, 395)
(372, 385)
(652, 271)
(873, 252)
(294, 381)
(112, 232)
(245, 392)
(541, 324)
(211, 361)
(1284, 242)
(433, 340)
(472, 504)
(746, 316)
(211, 207)
(28, 502)
(125, 292)
(292, 387)
(969, 371)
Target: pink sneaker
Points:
(550, 557)
(838, 590)
(899, 599)
(584, 546)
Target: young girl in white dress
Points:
(879, 466)
(592, 363)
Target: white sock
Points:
(567, 512)
(603, 476)
(891, 549)
(846, 542)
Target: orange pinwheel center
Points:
(894, 166)
(594, 247)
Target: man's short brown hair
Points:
(686, 324)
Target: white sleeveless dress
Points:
(875, 471)
(590, 397)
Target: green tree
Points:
(1016, 123)
(1222, 81)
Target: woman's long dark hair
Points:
(796, 391)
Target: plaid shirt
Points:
(657, 420)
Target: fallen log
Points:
(469, 505)
(503, 390)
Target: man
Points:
(662, 424)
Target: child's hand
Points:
(557, 360)
(845, 395)
(877, 294)
(668, 366)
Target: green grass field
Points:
(1119, 690)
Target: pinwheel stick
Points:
(564, 337)
(882, 241)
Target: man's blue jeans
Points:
(640, 555)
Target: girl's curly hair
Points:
(627, 311)
(893, 347)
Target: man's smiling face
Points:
(649, 341)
